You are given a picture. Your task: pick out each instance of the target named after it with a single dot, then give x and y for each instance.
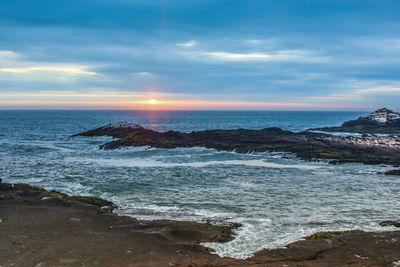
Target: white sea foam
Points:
(152, 212)
(54, 145)
(151, 163)
(251, 231)
(338, 133)
(258, 234)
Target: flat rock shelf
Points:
(48, 228)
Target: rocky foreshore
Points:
(368, 149)
(48, 228)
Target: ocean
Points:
(277, 197)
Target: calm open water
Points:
(277, 199)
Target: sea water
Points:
(275, 196)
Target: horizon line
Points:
(94, 109)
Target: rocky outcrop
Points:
(382, 116)
(393, 172)
(16, 192)
(367, 149)
(116, 130)
(349, 248)
(390, 223)
(48, 228)
(381, 121)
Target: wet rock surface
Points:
(368, 149)
(40, 228)
(48, 228)
(390, 223)
(393, 172)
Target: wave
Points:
(151, 163)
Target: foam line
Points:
(144, 163)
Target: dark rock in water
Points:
(393, 172)
(381, 121)
(115, 130)
(306, 145)
(390, 223)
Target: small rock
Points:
(107, 209)
(393, 172)
(67, 261)
(47, 198)
(75, 220)
(361, 257)
(390, 223)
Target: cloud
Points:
(237, 56)
(67, 94)
(57, 68)
(253, 42)
(143, 73)
(293, 55)
(188, 44)
(278, 50)
(334, 97)
(7, 54)
(13, 62)
(383, 89)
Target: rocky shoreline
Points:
(367, 149)
(48, 228)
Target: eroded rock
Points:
(368, 149)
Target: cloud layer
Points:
(306, 54)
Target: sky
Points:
(200, 54)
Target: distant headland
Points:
(381, 121)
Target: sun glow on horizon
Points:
(137, 101)
(152, 101)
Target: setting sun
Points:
(152, 101)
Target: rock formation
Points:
(381, 121)
(367, 149)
